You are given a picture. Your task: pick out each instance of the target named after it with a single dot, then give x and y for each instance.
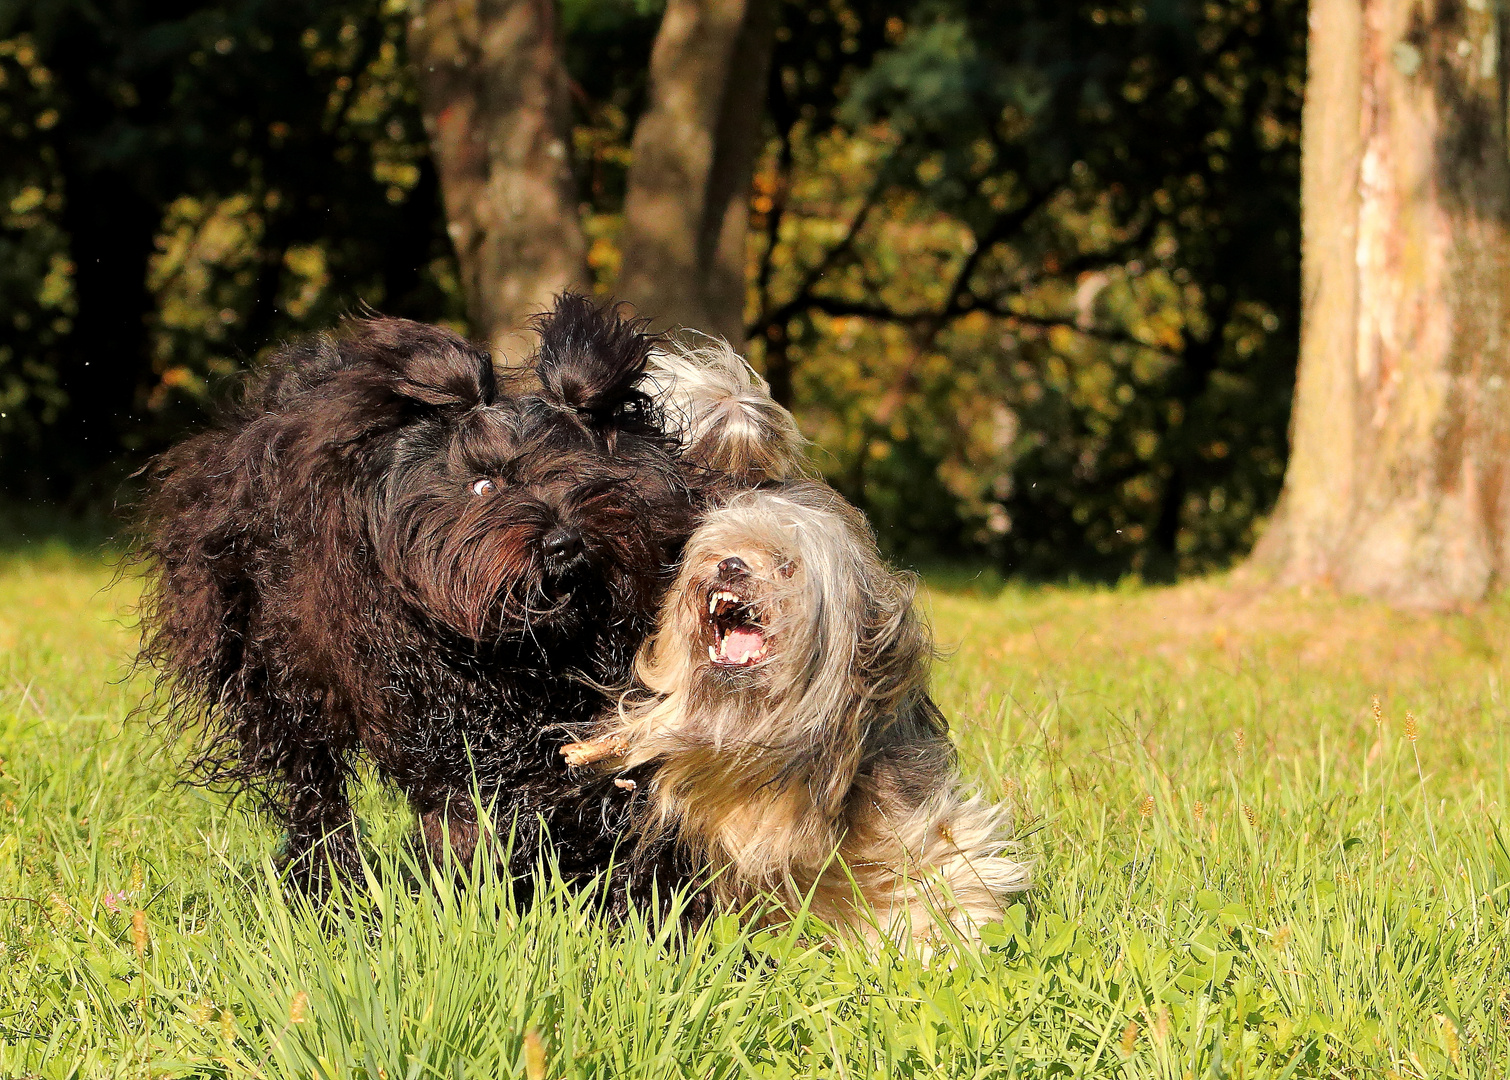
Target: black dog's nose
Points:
(562, 544)
(733, 566)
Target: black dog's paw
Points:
(317, 865)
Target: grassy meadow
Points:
(1244, 870)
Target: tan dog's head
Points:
(788, 640)
(782, 729)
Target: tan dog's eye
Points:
(788, 568)
(483, 487)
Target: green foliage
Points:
(192, 183)
(1235, 874)
(1027, 270)
(36, 295)
(1048, 253)
(312, 197)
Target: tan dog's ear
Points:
(724, 414)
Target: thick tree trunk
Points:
(694, 151)
(495, 98)
(1398, 484)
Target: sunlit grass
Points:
(1241, 873)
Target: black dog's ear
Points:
(428, 364)
(591, 358)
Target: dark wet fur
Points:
(325, 587)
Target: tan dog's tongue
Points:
(741, 644)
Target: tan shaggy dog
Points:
(783, 733)
(724, 412)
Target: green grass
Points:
(1240, 875)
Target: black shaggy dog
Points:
(379, 553)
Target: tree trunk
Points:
(495, 97)
(1397, 482)
(694, 152)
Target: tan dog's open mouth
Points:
(732, 627)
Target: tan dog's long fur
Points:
(823, 769)
(724, 412)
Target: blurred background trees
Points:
(183, 184)
(1028, 271)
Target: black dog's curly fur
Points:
(381, 553)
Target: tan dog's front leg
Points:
(585, 753)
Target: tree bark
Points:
(1397, 485)
(693, 157)
(495, 97)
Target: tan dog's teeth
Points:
(714, 599)
(712, 655)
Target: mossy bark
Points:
(1397, 483)
(694, 149)
(495, 96)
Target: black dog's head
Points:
(542, 514)
(379, 495)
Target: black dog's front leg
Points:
(449, 827)
(322, 830)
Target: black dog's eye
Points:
(634, 414)
(633, 410)
(483, 487)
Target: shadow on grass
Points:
(972, 579)
(984, 581)
(30, 530)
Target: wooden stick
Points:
(585, 753)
